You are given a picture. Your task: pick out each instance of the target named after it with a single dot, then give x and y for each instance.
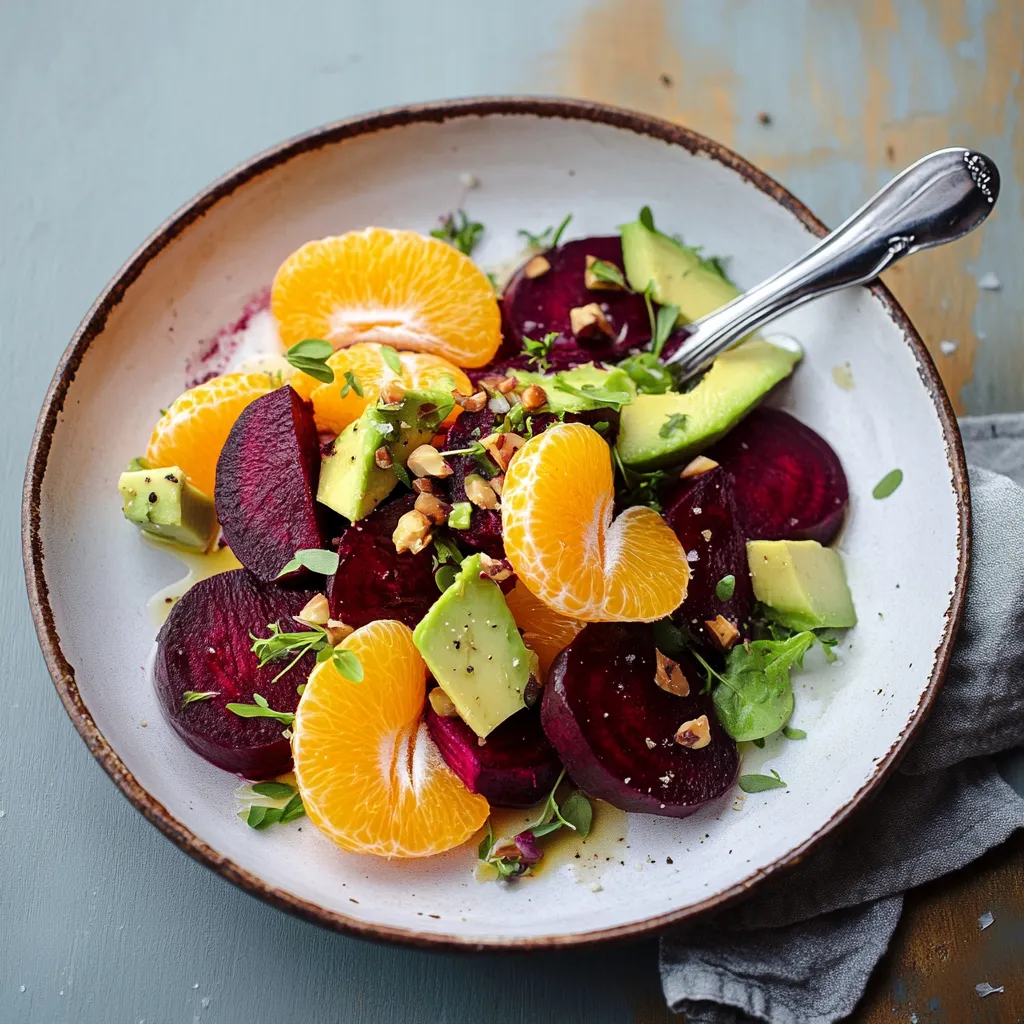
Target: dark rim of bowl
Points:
(63, 673)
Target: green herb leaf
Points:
(608, 273)
(195, 696)
(137, 465)
(310, 356)
(300, 689)
(599, 396)
(324, 563)
(648, 373)
(538, 351)
(793, 734)
(641, 488)
(647, 218)
(676, 421)
(548, 238)
(444, 576)
(669, 638)
(760, 783)
(392, 358)
(602, 426)
(260, 710)
(487, 843)
(445, 549)
(256, 815)
(351, 384)
(664, 325)
(348, 664)
(578, 813)
(887, 484)
(544, 830)
(293, 809)
(725, 587)
(275, 790)
(459, 231)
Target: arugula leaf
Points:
(761, 783)
(351, 384)
(459, 231)
(275, 790)
(260, 710)
(548, 238)
(664, 325)
(392, 358)
(725, 587)
(324, 563)
(887, 484)
(348, 664)
(649, 374)
(754, 696)
(310, 356)
(676, 421)
(599, 396)
(641, 488)
(608, 273)
(538, 351)
(194, 696)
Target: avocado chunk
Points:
(678, 275)
(351, 481)
(657, 430)
(471, 645)
(572, 395)
(163, 503)
(802, 584)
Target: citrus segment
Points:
(568, 550)
(370, 776)
(400, 288)
(544, 631)
(192, 432)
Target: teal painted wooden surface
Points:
(114, 113)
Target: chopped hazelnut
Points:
(589, 321)
(723, 631)
(502, 447)
(471, 403)
(424, 485)
(697, 466)
(669, 676)
(694, 734)
(442, 704)
(497, 483)
(392, 392)
(507, 384)
(533, 397)
(337, 631)
(413, 532)
(382, 457)
(706, 534)
(427, 461)
(497, 569)
(316, 612)
(650, 743)
(479, 491)
(537, 267)
(593, 282)
(433, 508)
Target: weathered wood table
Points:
(113, 113)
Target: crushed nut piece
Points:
(496, 569)
(413, 532)
(316, 612)
(433, 508)
(502, 447)
(442, 704)
(533, 397)
(706, 534)
(724, 632)
(337, 631)
(694, 734)
(382, 457)
(424, 485)
(497, 483)
(537, 267)
(392, 392)
(507, 384)
(589, 321)
(479, 491)
(593, 282)
(650, 743)
(697, 466)
(427, 461)
(471, 403)
(669, 676)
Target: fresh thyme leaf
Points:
(760, 783)
(351, 384)
(664, 325)
(260, 710)
(539, 350)
(275, 790)
(348, 665)
(310, 356)
(887, 484)
(676, 421)
(459, 231)
(608, 273)
(725, 587)
(548, 238)
(324, 563)
(609, 397)
(793, 734)
(392, 358)
(195, 696)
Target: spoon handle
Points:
(936, 200)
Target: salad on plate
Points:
(488, 552)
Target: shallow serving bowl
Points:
(90, 575)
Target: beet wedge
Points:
(516, 767)
(266, 484)
(205, 647)
(614, 727)
(787, 480)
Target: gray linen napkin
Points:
(801, 949)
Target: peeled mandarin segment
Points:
(400, 288)
(566, 548)
(369, 774)
(545, 632)
(192, 432)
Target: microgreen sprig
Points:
(539, 349)
(459, 231)
(310, 356)
(546, 239)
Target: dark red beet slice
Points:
(614, 727)
(267, 477)
(516, 767)
(788, 481)
(536, 306)
(373, 580)
(205, 647)
(703, 513)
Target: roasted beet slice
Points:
(537, 306)
(516, 767)
(373, 580)
(204, 647)
(614, 727)
(705, 517)
(267, 477)
(787, 479)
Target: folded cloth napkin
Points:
(801, 949)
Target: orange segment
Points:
(368, 771)
(544, 631)
(397, 287)
(564, 544)
(366, 363)
(192, 432)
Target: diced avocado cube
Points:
(657, 430)
(579, 378)
(351, 481)
(802, 584)
(458, 518)
(163, 503)
(471, 645)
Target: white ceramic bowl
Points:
(89, 575)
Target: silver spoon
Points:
(940, 198)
